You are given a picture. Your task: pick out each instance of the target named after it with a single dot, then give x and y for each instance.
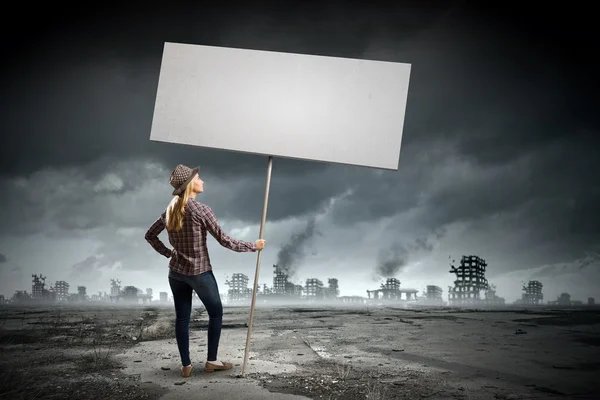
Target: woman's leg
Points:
(207, 289)
(182, 297)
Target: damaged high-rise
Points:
(115, 290)
(470, 281)
(434, 294)
(61, 288)
(238, 288)
(564, 299)
(81, 293)
(39, 293)
(280, 280)
(282, 286)
(314, 289)
(333, 291)
(533, 293)
(38, 286)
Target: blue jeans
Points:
(205, 286)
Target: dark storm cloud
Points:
(85, 267)
(87, 270)
(124, 249)
(590, 260)
(103, 105)
(3, 258)
(553, 194)
(490, 83)
(461, 79)
(95, 97)
(289, 195)
(109, 193)
(378, 194)
(71, 200)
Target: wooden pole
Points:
(260, 236)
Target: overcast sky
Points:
(499, 153)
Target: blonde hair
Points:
(176, 209)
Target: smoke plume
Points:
(392, 260)
(294, 251)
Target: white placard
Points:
(328, 109)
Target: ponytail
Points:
(176, 209)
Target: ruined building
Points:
(101, 296)
(352, 299)
(115, 290)
(130, 294)
(39, 293)
(434, 295)
(470, 281)
(81, 293)
(147, 297)
(492, 299)
(280, 280)
(266, 290)
(390, 290)
(38, 287)
(533, 293)
(61, 290)
(564, 299)
(333, 291)
(282, 286)
(21, 296)
(238, 288)
(314, 289)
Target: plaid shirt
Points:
(190, 254)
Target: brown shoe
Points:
(186, 371)
(209, 367)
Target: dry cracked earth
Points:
(311, 351)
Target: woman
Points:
(187, 222)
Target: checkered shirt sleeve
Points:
(206, 216)
(152, 236)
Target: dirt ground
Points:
(300, 352)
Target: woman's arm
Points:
(212, 225)
(152, 237)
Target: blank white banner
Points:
(316, 108)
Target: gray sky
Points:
(498, 155)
